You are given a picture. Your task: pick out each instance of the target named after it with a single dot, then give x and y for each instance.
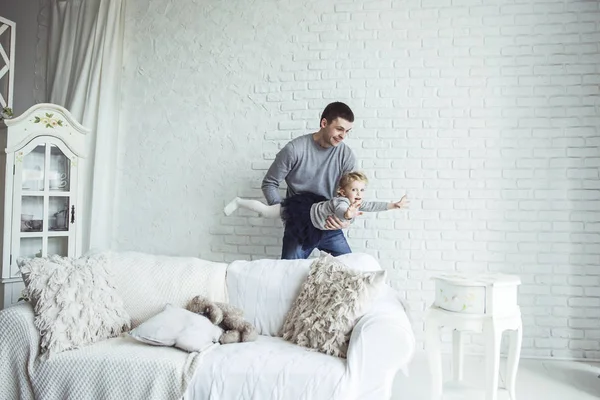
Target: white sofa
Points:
(382, 342)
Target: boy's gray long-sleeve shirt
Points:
(307, 167)
(338, 207)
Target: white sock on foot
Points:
(231, 207)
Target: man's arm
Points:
(349, 163)
(277, 172)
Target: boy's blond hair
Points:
(350, 177)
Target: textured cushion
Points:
(75, 302)
(332, 298)
(180, 328)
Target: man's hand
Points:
(403, 203)
(334, 223)
(352, 211)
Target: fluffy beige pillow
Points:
(331, 299)
(74, 301)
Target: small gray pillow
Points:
(331, 300)
(178, 327)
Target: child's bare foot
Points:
(232, 206)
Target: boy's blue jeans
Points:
(333, 242)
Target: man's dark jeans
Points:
(333, 242)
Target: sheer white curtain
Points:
(83, 63)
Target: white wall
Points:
(24, 13)
(485, 112)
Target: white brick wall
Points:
(486, 112)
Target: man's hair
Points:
(350, 177)
(337, 110)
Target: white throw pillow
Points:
(330, 302)
(361, 262)
(74, 300)
(178, 327)
(265, 290)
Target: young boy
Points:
(306, 213)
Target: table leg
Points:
(512, 363)
(433, 349)
(457, 355)
(493, 337)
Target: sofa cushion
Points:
(147, 283)
(332, 298)
(269, 369)
(360, 262)
(75, 302)
(117, 368)
(265, 290)
(178, 327)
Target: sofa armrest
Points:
(19, 348)
(382, 342)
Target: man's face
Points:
(336, 131)
(354, 191)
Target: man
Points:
(315, 163)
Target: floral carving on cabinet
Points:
(49, 121)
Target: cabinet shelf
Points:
(52, 193)
(44, 234)
(12, 279)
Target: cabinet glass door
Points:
(33, 169)
(59, 172)
(44, 194)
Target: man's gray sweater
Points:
(307, 167)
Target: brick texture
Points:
(486, 113)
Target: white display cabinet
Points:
(43, 189)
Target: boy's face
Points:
(354, 191)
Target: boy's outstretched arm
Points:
(376, 206)
(403, 203)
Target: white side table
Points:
(475, 303)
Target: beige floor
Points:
(536, 380)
